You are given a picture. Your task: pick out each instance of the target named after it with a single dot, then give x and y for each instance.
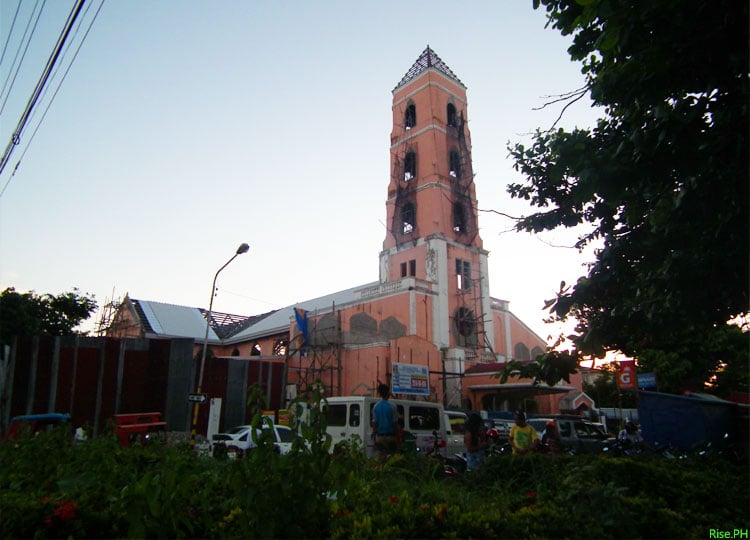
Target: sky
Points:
(181, 129)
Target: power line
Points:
(10, 32)
(54, 95)
(16, 137)
(25, 49)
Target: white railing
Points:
(391, 287)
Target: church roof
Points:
(169, 320)
(428, 59)
(279, 320)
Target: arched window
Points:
(454, 164)
(410, 165)
(408, 218)
(451, 112)
(255, 351)
(410, 116)
(459, 217)
(522, 352)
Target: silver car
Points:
(576, 433)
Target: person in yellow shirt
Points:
(523, 437)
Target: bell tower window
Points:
(409, 268)
(463, 274)
(410, 116)
(408, 218)
(459, 218)
(451, 113)
(410, 165)
(454, 164)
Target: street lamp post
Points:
(240, 250)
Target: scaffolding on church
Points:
(313, 356)
(107, 315)
(471, 324)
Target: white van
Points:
(455, 428)
(349, 416)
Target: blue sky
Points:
(185, 128)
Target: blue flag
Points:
(301, 317)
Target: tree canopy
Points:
(29, 314)
(660, 184)
(603, 390)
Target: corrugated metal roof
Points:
(279, 321)
(169, 320)
(176, 321)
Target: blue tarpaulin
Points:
(683, 421)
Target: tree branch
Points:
(571, 97)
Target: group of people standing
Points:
(523, 438)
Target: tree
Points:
(603, 390)
(29, 314)
(661, 183)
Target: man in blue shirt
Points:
(384, 423)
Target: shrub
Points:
(51, 488)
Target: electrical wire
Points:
(25, 49)
(10, 32)
(275, 305)
(16, 137)
(58, 68)
(57, 89)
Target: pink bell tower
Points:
(432, 227)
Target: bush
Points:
(51, 488)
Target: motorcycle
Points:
(450, 466)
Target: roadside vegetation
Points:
(51, 488)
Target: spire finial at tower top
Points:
(428, 60)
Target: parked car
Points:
(575, 433)
(238, 440)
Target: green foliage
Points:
(548, 368)
(604, 390)
(273, 496)
(50, 487)
(541, 497)
(722, 354)
(660, 183)
(29, 314)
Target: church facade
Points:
(429, 326)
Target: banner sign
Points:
(411, 379)
(647, 380)
(626, 377)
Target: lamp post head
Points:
(242, 249)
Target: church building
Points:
(429, 326)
